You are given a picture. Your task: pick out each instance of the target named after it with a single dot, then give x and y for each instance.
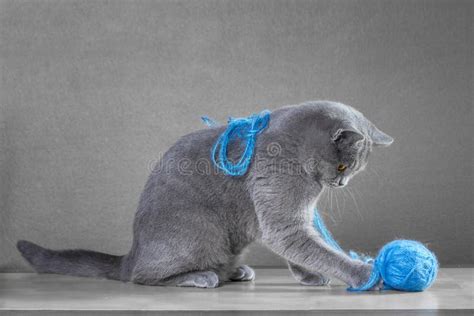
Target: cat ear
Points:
(379, 138)
(347, 136)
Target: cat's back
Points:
(187, 171)
(194, 145)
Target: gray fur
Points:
(193, 222)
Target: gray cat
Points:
(193, 221)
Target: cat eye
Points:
(341, 167)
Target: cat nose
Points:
(343, 181)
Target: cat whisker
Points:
(333, 211)
(357, 193)
(330, 196)
(327, 199)
(338, 209)
(355, 203)
(343, 191)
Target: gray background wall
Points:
(92, 93)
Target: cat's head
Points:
(345, 140)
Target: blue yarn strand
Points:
(208, 121)
(243, 129)
(327, 236)
(324, 232)
(329, 239)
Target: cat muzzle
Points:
(339, 182)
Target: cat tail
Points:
(83, 263)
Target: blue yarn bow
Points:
(246, 129)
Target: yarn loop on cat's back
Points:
(244, 129)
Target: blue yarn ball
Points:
(406, 265)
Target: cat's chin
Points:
(334, 185)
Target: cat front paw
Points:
(362, 275)
(243, 273)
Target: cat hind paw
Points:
(243, 273)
